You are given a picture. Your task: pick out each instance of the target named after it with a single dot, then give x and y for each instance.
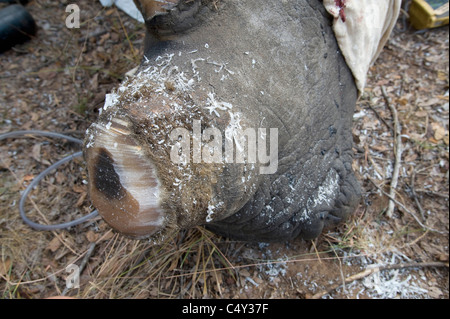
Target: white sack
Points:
(367, 26)
(126, 6)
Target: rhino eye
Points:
(106, 179)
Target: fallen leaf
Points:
(54, 244)
(431, 102)
(218, 278)
(47, 73)
(110, 11)
(81, 199)
(411, 158)
(379, 148)
(173, 265)
(102, 56)
(79, 188)
(244, 273)
(439, 131)
(421, 113)
(103, 38)
(91, 236)
(94, 82)
(443, 76)
(36, 152)
(27, 178)
(60, 178)
(34, 116)
(402, 101)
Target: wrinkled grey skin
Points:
(288, 73)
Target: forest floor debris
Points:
(58, 81)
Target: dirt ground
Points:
(57, 82)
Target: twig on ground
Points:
(375, 166)
(414, 195)
(389, 126)
(94, 34)
(415, 241)
(315, 249)
(340, 265)
(431, 193)
(405, 209)
(373, 270)
(397, 151)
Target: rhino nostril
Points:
(106, 179)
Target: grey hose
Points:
(40, 133)
(42, 175)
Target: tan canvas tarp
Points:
(362, 28)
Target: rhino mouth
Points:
(124, 186)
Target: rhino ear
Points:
(152, 8)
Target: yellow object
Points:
(424, 14)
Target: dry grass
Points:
(182, 267)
